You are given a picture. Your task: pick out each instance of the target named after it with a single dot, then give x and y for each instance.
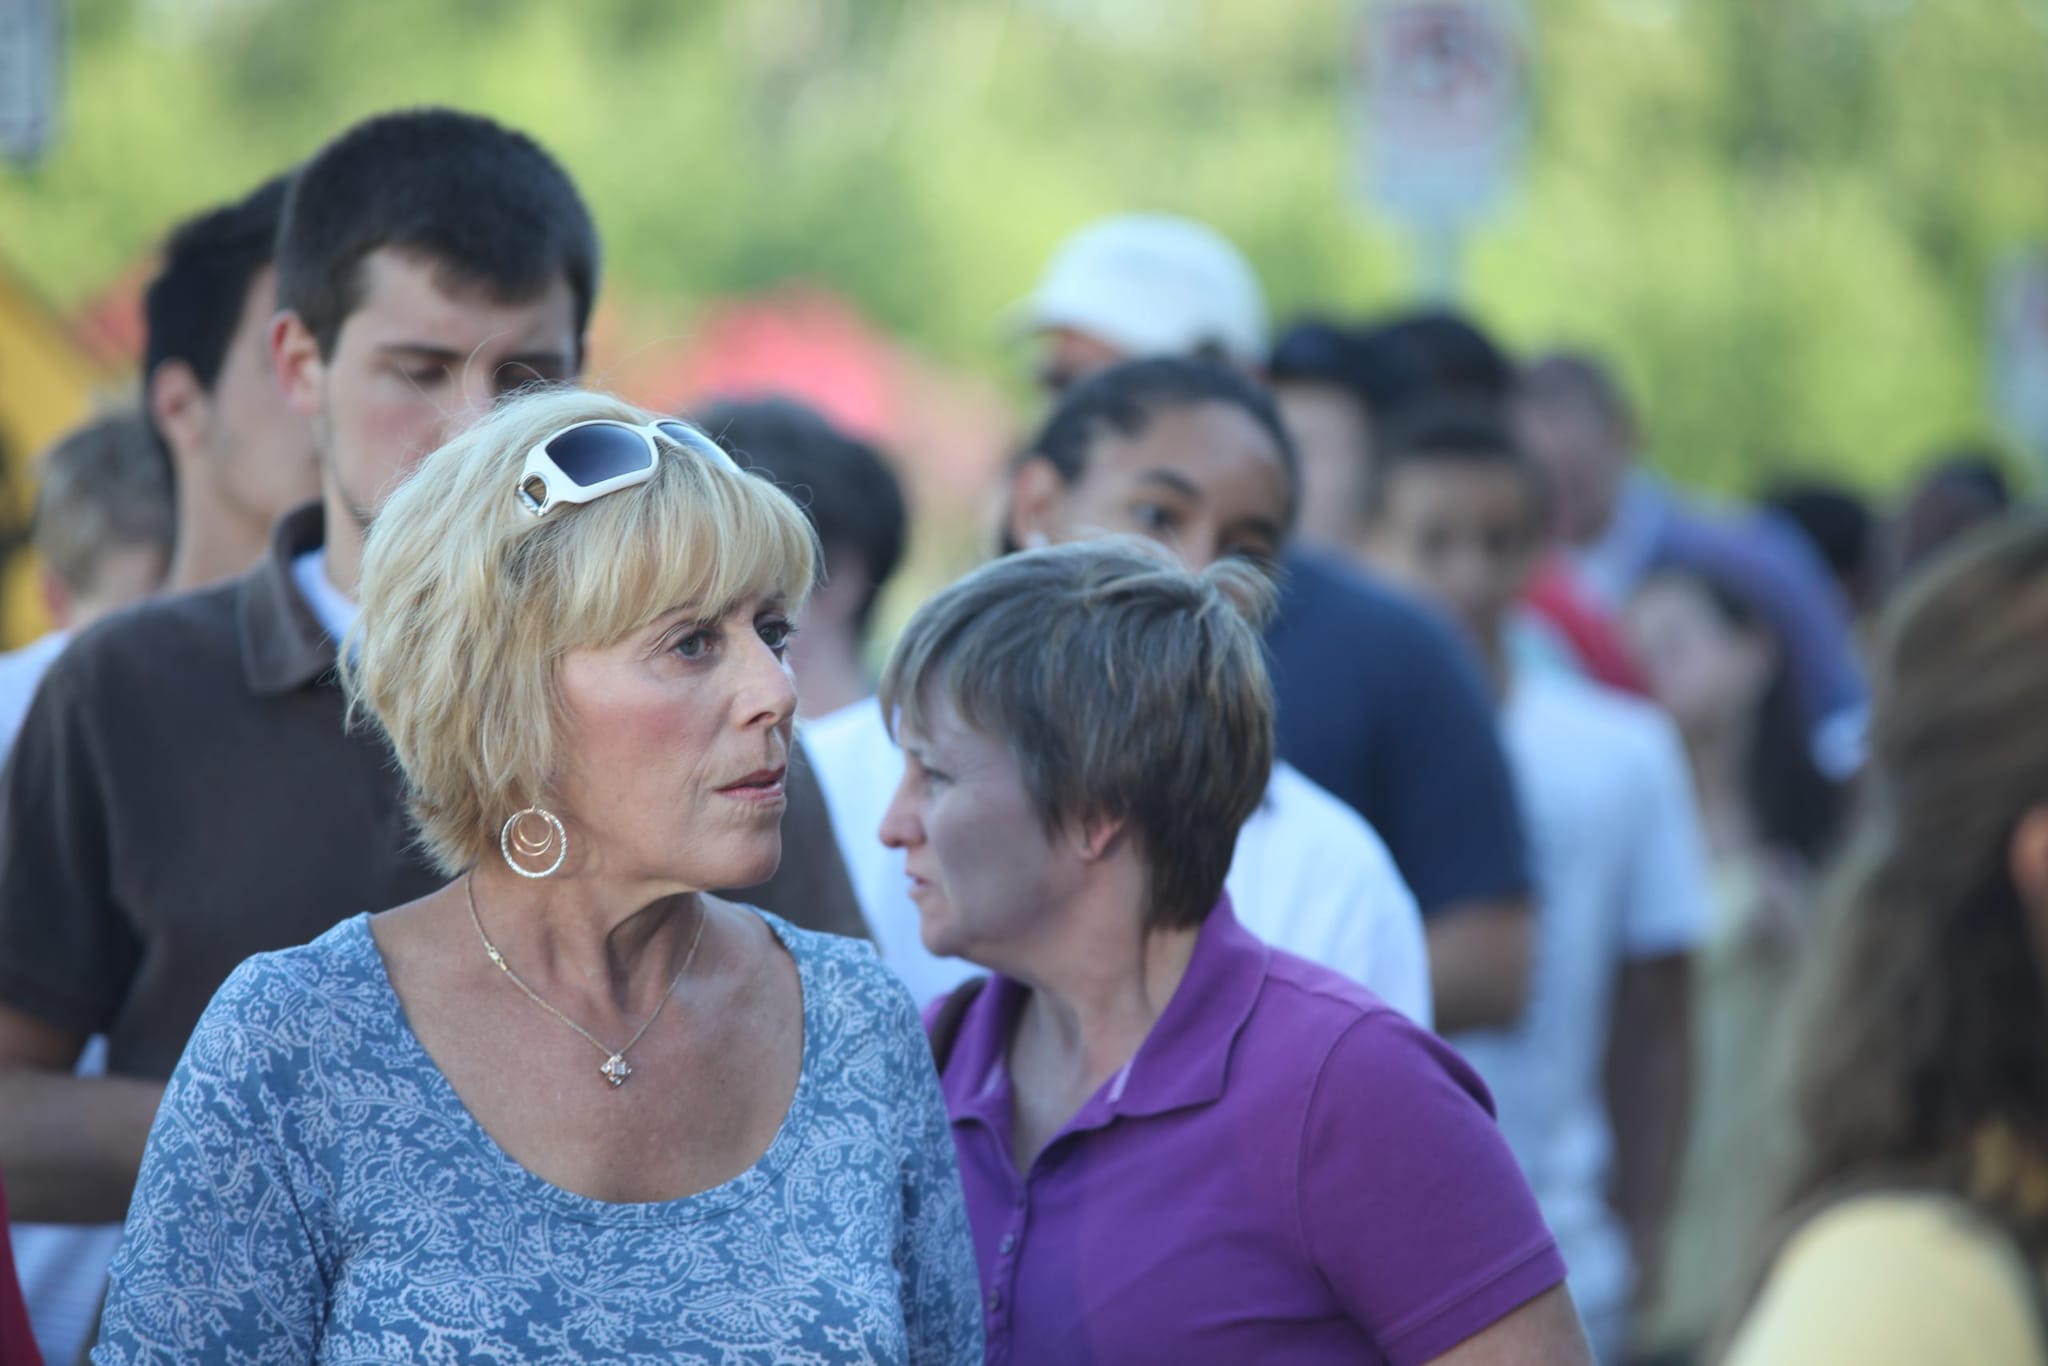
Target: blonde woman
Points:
(570, 1105)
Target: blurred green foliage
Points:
(1779, 216)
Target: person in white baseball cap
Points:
(1140, 285)
(1378, 702)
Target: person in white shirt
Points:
(1592, 1086)
(1191, 454)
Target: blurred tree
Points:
(1778, 215)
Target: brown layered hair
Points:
(1125, 687)
(1924, 1025)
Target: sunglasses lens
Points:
(599, 451)
(679, 433)
(690, 439)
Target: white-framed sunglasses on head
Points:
(587, 460)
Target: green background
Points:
(1779, 216)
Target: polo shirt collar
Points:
(1184, 1061)
(284, 647)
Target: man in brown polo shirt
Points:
(184, 792)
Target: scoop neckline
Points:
(717, 1200)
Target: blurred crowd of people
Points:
(1388, 872)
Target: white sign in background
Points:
(31, 75)
(1439, 100)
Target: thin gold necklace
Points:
(614, 1065)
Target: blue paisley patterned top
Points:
(314, 1191)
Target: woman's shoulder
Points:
(1309, 1000)
(861, 1026)
(1896, 1277)
(844, 972)
(291, 1002)
(1344, 1041)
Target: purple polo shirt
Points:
(1288, 1170)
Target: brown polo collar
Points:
(284, 647)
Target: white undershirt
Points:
(335, 610)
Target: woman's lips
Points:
(761, 787)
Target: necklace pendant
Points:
(615, 1070)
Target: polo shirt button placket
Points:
(997, 1317)
(997, 1328)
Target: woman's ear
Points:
(1097, 839)
(1036, 495)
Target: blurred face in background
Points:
(1334, 436)
(1461, 532)
(1936, 514)
(1585, 453)
(243, 457)
(1205, 481)
(1708, 670)
(259, 453)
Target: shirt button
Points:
(1009, 1241)
(995, 1300)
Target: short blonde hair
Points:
(469, 602)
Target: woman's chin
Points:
(937, 935)
(745, 867)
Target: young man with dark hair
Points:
(185, 792)
(239, 457)
(856, 505)
(1332, 383)
(1591, 1086)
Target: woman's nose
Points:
(900, 826)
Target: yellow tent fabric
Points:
(48, 383)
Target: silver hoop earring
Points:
(512, 836)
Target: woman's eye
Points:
(775, 633)
(1153, 517)
(695, 645)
